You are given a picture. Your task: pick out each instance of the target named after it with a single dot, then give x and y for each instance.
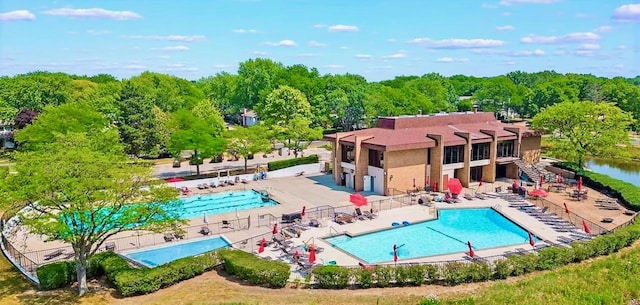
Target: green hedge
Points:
(56, 275)
(628, 193)
(249, 267)
(143, 281)
(275, 165)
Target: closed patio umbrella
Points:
(566, 209)
(275, 228)
(204, 218)
(580, 184)
(471, 253)
(531, 241)
(586, 227)
(304, 209)
(395, 253)
(312, 254)
(263, 242)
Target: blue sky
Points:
(378, 39)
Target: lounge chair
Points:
(53, 254)
(178, 235)
(226, 224)
(110, 246)
(304, 265)
(360, 215)
(204, 230)
(314, 223)
(280, 240)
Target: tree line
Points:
(295, 103)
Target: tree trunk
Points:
(245, 164)
(81, 275)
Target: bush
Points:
(432, 273)
(56, 275)
(332, 276)
(257, 271)
(143, 281)
(364, 277)
(275, 165)
(384, 275)
(401, 275)
(502, 269)
(454, 273)
(415, 275)
(552, 257)
(479, 271)
(111, 264)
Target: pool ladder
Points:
(334, 230)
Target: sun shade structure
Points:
(358, 200)
(538, 193)
(455, 186)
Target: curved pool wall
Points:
(153, 257)
(221, 203)
(485, 228)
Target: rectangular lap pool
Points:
(484, 228)
(167, 253)
(220, 203)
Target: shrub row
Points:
(275, 165)
(626, 192)
(455, 273)
(62, 274)
(249, 267)
(131, 281)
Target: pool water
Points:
(484, 228)
(159, 256)
(220, 203)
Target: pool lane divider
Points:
(447, 235)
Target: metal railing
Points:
(572, 217)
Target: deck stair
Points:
(533, 172)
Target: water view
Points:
(628, 171)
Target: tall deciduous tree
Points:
(580, 128)
(80, 187)
(300, 134)
(283, 105)
(246, 142)
(193, 134)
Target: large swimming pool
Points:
(162, 255)
(484, 228)
(220, 203)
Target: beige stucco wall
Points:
(530, 149)
(404, 166)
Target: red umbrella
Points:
(586, 227)
(566, 209)
(580, 183)
(435, 186)
(263, 242)
(455, 186)
(481, 181)
(471, 253)
(541, 180)
(531, 241)
(515, 184)
(275, 228)
(538, 193)
(175, 179)
(427, 181)
(395, 253)
(312, 254)
(414, 182)
(358, 199)
(558, 178)
(304, 209)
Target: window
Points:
(480, 151)
(376, 158)
(505, 149)
(348, 153)
(454, 154)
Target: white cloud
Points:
(505, 28)
(451, 59)
(344, 48)
(178, 67)
(320, 26)
(487, 5)
(181, 38)
(19, 15)
(457, 43)
(334, 66)
(619, 66)
(282, 43)
(362, 56)
(173, 48)
(589, 46)
(392, 40)
(308, 55)
(134, 67)
(536, 52)
(343, 28)
(621, 47)
(98, 13)
(96, 32)
(397, 55)
(221, 66)
(587, 53)
(511, 2)
(603, 29)
(259, 53)
(627, 13)
(509, 62)
(585, 16)
(382, 67)
(243, 31)
(568, 38)
(506, 14)
(315, 44)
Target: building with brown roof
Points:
(408, 152)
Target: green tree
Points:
(207, 111)
(79, 186)
(256, 79)
(245, 142)
(301, 135)
(191, 133)
(283, 105)
(579, 128)
(222, 89)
